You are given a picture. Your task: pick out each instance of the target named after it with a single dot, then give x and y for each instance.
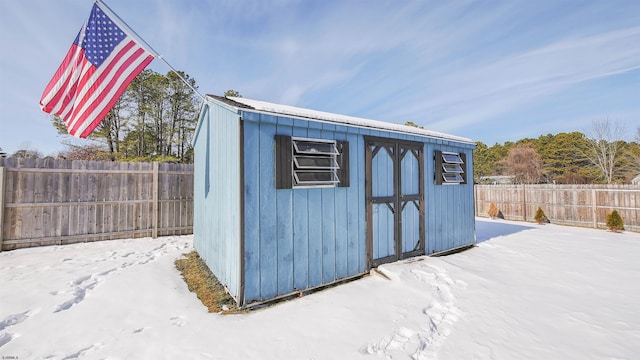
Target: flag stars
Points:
(101, 37)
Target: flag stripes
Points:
(82, 93)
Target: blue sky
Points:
(492, 71)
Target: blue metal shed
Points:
(290, 199)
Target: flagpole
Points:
(101, 3)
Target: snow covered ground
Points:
(525, 292)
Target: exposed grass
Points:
(201, 281)
(204, 284)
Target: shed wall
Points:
(277, 241)
(450, 215)
(296, 239)
(217, 194)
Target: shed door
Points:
(395, 200)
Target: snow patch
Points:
(441, 315)
(13, 319)
(548, 292)
(83, 352)
(5, 338)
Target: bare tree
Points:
(635, 152)
(604, 143)
(524, 164)
(94, 152)
(27, 154)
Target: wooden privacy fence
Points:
(577, 205)
(51, 201)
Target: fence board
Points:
(47, 201)
(3, 181)
(577, 205)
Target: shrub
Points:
(614, 221)
(493, 211)
(540, 217)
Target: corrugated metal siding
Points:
(296, 239)
(449, 208)
(217, 194)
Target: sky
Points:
(527, 291)
(491, 71)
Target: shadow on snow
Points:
(487, 229)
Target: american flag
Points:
(102, 61)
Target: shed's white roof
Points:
(343, 119)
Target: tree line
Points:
(153, 120)
(156, 117)
(600, 155)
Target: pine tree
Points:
(493, 211)
(540, 217)
(614, 221)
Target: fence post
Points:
(524, 203)
(594, 207)
(475, 200)
(154, 216)
(2, 186)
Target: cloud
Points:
(448, 65)
(491, 89)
